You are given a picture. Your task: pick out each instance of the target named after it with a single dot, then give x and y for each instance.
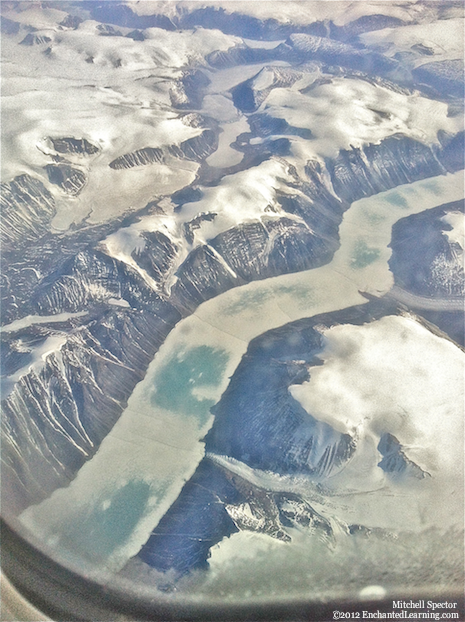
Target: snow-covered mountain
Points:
(157, 155)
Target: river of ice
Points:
(154, 448)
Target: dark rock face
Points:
(73, 146)
(248, 98)
(245, 249)
(430, 266)
(214, 504)
(197, 520)
(91, 278)
(452, 152)
(187, 93)
(69, 178)
(196, 149)
(203, 275)
(190, 194)
(141, 157)
(31, 39)
(422, 49)
(71, 21)
(396, 160)
(426, 264)
(252, 251)
(105, 30)
(136, 35)
(258, 250)
(27, 210)
(264, 125)
(54, 420)
(191, 226)
(394, 461)
(157, 256)
(270, 431)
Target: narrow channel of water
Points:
(156, 445)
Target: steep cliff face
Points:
(246, 253)
(264, 125)
(88, 279)
(434, 274)
(27, 210)
(249, 95)
(56, 416)
(196, 149)
(68, 145)
(31, 39)
(396, 160)
(269, 430)
(203, 275)
(141, 157)
(436, 269)
(158, 255)
(69, 178)
(187, 92)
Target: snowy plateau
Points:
(233, 293)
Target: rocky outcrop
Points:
(187, 93)
(71, 21)
(27, 210)
(264, 125)
(394, 460)
(214, 504)
(69, 145)
(397, 160)
(435, 269)
(158, 255)
(141, 157)
(197, 148)
(203, 275)
(249, 95)
(105, 30)
(90, 279)
(194, 224)
(69, 178)
(32, 39)
(56, 417)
